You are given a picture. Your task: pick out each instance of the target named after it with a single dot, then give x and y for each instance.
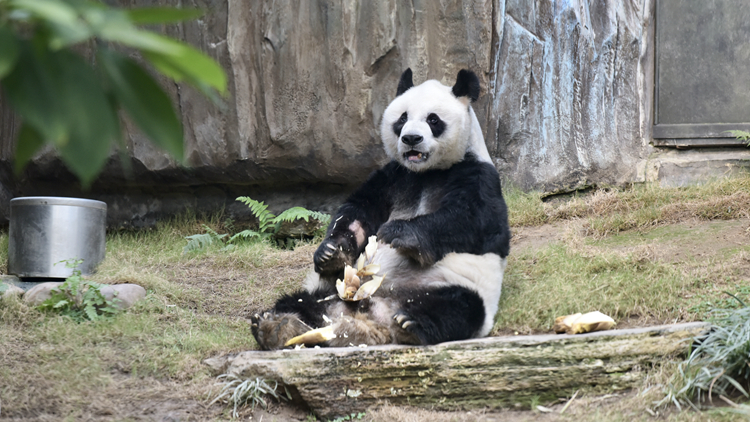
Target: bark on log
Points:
(482, 373)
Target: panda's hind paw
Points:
(406, 330)
(272, 331)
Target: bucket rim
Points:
(57, 200)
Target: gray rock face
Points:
(562, 102)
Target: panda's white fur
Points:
(470, 262)
(464, 133)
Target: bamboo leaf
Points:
(144, 100)
(154, 15)
(92, 121)
(9, 50)
(60, 17)
(186, 63)
(34, 91)
(28, 143)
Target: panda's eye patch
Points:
(399, 124)
(437, 126)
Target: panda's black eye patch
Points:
(400, 124)
(437, 126)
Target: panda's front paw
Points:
(331, 256)
(402, 237)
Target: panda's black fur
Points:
(439, 215)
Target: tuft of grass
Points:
(239, 393)
(524, 208)
(719, 366)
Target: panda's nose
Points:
(411, 140)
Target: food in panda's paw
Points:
(586, 323)
(316, 336)
(352, 288)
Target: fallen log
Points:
(490, 372)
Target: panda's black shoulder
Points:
(472, 167)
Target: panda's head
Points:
(428, 126)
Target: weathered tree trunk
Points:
(489, 372)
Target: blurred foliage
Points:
(71, 101)
(742, 135)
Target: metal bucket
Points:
(47, 230)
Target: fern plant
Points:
(269, 224)
(268, 227)
(741, 135)
(202, 241)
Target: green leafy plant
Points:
(742, 135)
(204, 240)
(269, 224)
(718, 366)
(80, 299)
(268, 227)
(65, 101)
(240, 392)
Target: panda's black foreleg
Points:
(293, 314)
(443, 314)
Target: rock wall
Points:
(564, 100)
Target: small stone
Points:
(10, 289)
(128, 294)
(38, 294)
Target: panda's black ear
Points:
(405, 82)
(467, 85)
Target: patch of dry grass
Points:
(612, 210)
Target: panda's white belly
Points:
(480, 273)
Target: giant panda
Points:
(438, 212)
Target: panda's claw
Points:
(407, 324)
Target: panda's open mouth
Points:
(415, 156)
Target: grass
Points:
(611, 210)
(644, 255)
(52, 367)
(560, 280)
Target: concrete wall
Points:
(565, 99)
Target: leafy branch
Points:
(65, 101)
